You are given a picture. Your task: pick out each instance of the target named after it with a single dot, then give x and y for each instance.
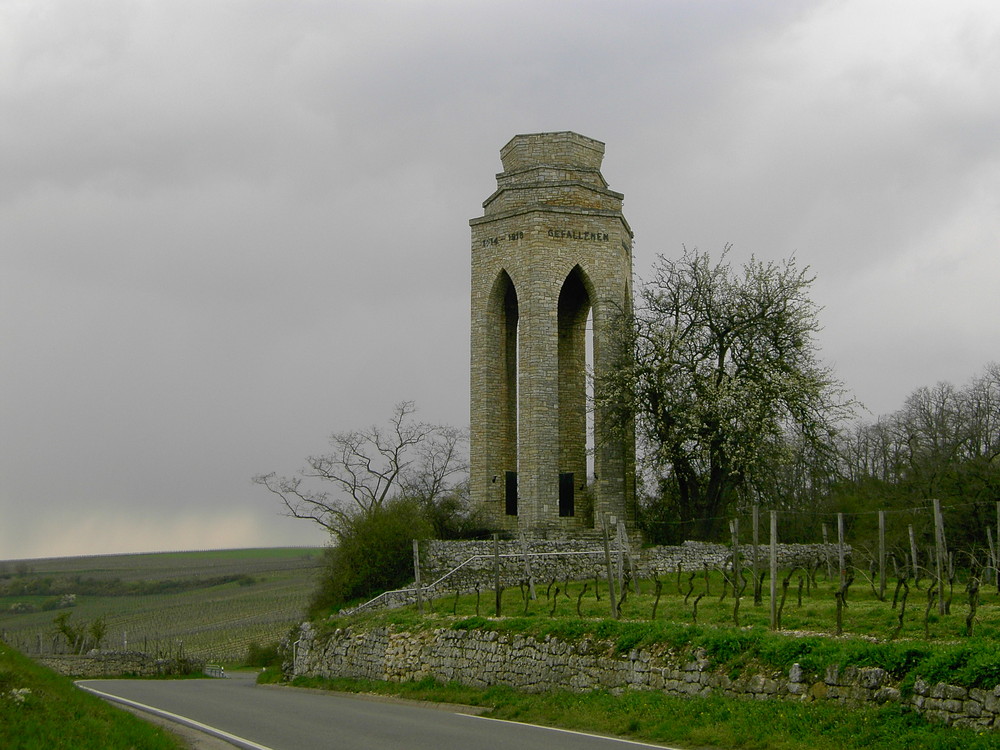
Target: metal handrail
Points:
(507, 555)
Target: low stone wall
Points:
(582, 559)
(548, 559)
(117, 664)
(483, 658)
(465, 566)
(696, 555)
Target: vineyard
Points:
(211, 605)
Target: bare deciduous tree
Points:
(437, 476)
(944, 443)
(366, 468)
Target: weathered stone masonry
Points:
(483, 658)
(551, 247)
(580, 560)
(117, 663)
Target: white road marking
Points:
(572, 731)
(238, 741)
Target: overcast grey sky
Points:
(228, 229)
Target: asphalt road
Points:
(290, 719)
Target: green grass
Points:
(714, 722)
(157, 566)
(864, 614)
(40, 710)
(199, 614)
(933, 650)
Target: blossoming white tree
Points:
(722, 368)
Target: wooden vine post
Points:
(496, 571)
(913, 556)
(624, 545)
(611, 575)
(618, 557)
(774, 569)
(881, 555)
(840, 548)
(940, 554)
(756, 556)
(826, 554)
(527, 567)
(734, 532)
(416, 576)
(991, 568)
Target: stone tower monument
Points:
(551, 268)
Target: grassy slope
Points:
(864, 614)
(216, 623)
(163, 565)
(40, 710)
(225, 618)
(945, 654)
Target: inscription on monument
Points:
(557, 234)
(572, 234)
(501, 238)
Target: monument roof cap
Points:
(560, 148)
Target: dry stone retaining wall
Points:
(117, 664)
(482, 658)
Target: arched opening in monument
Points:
(574, 313)
(589, 357)
(506, 306)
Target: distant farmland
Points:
(208, 604)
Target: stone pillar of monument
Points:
(551, 255)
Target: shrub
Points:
(982, 669)
(374, 553)
(263, 656)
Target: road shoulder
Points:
(455, 708)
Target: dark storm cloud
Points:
(228, 229)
